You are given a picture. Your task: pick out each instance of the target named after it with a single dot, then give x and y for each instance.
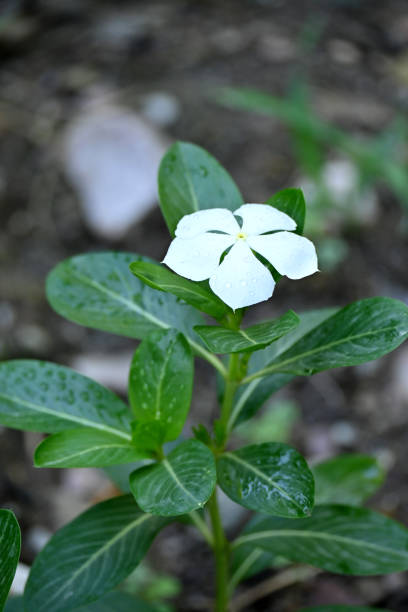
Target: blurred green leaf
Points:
(10, 545)
(347, 479)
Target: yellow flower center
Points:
(241, 236)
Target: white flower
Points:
(240, 279)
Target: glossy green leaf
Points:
(341, 608)
(249, 398)
(85, 447)
(336, 538)
(179, 484)
(292, 202)
(10, 545)
(99, 291)
(190, 179)
(90, 556)
(347, 479)
(359, 332)
(43, 396)
(223, 340)
(272, 478)
(148, 437)
(197, 294)
(161, 381)
(115, 601)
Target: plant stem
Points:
(220, 549)
(231, 385)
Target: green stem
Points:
(220, 549)
(231, 385)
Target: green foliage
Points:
(360, 332)
(341, 539)
(10, 544)
(43, 396)
(85, 447)
(90, 556)
(271, 478)
(250, 397)
(197, 294)
(347, 479)
(180, 483)
(92, 427)
(98, 291)
(254, 338)
(190, 179)
(161, 381)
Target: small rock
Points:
(37, 538)
(7, 316)
(109, 370)
(33, 338)
(161, 108)
(343, 433)
(343, 52)
(112, 157)
(399, 376)
(276, 48)
(229, 40)
(20, 579)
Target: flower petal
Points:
(261, 218)
(219, 219)
(197, 258)
(241, 280)
(292, 255)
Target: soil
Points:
(52, 53)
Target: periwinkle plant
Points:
(312, 516)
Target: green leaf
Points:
(197, 294)
(347, 479)
(272, 478)
(249, 398)
(90, 556)
(43, 396)
(341, 608)
(116, 601)
(292, 202)
(10, 545)
(190, 179)
(181, 483)
(336, 538)
(161, 381)
(254, 338)
(99, 291)
(359, 332)
(85, 447)
(148, 437)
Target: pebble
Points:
(110, 371)
(161, 108)
(111, 156)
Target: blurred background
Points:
(91, 94)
